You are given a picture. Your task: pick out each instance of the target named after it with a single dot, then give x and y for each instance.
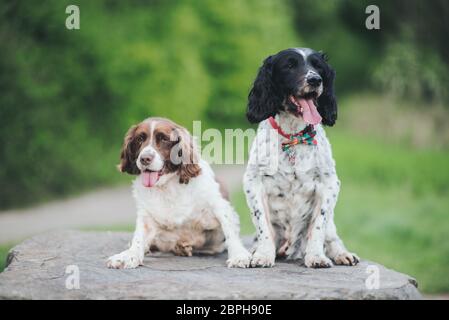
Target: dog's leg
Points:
(335, 248)
(333, 245)
(265, 252)
(133, 257)
(314, 253)
(238, 256)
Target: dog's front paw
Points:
(240, 260)
(346, 259)
(124, 260)
(263, 258)
(317, 261)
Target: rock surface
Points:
(37, 270)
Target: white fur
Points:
(156, 164)
(293, 204)
(169, 211)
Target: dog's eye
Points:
(291, 63)
(140, 138)
(317, 65)
(162, 137)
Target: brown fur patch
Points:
(127, 155)
(169, 139)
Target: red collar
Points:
(281, 132)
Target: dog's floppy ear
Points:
(327, 101)
(186, 155)
(128, 155)
(263, 99)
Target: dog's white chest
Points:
(306, 158)
(294, 188)
(170, 207)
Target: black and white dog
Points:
(291, 183)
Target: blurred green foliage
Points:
(408, 57)
(67, 97)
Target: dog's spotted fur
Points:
(292, 204)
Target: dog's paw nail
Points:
(347, 259)
(124, 260)
(317, 261)
(262, 260)
(242, 260)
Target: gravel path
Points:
(107, 207)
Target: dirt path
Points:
(107, 207)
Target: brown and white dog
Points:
(180, 207)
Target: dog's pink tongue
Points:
(149, 178)
(309, 112)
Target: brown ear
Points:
(128, 155)
(189, 154)
(188, 171)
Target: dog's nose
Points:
(146, 160)
(314, 81)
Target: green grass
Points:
(400, 230)
(393, 207)
(4, 249)
(364, 160)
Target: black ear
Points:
(263, 99)
(327, 101)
